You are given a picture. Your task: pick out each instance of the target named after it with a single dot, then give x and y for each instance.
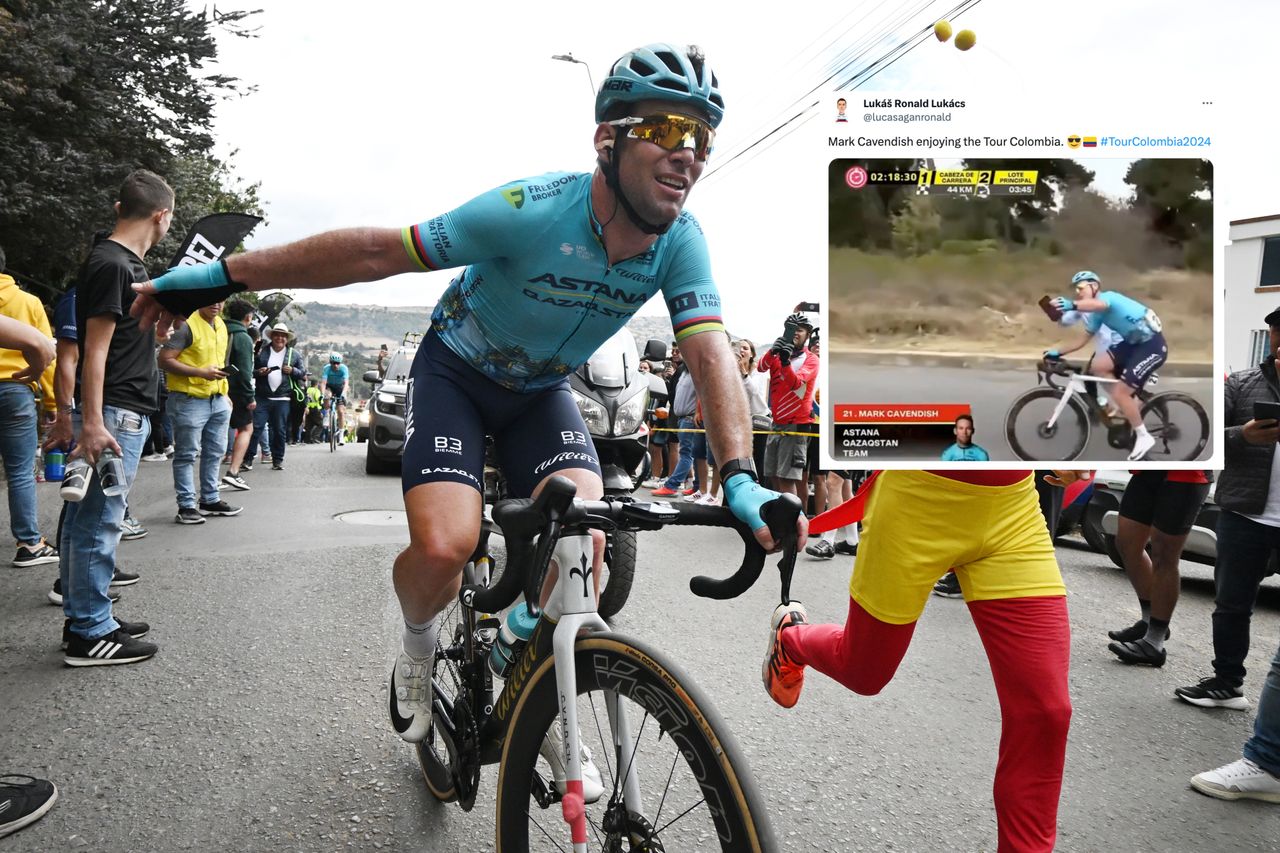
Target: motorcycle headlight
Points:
(631, 414)
(593, 414)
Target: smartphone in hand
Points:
(1266, 410)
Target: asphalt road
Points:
(260, 725)
(989, 391)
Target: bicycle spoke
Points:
(677, 818)
(544, 832)
(675, 762)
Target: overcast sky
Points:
(389, 112)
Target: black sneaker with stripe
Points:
(116, 647)
(1213, 692)
(137, 630)
(24, 800)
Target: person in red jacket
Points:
(1159, 508)
(988, 526)
(793, 379)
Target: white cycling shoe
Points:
(1141, 444)
(410, 696)
(552, 749)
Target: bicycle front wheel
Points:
(1178, 423)
(333, 432)
(695, 788)
(1028, 431)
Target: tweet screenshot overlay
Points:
(1021, 309)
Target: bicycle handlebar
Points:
(543, 518)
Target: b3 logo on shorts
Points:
(572, 437)
(445, 444)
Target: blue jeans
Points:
(18, 447)
(1263, 749)
(1244, 547)
(199, 423)
(91, 532)
(692, 445)
(272, 416)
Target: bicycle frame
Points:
(1075, 385)
(570, 612)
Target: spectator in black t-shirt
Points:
(114, 421)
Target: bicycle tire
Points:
(1160, 430)
(622, 571)
(685, 727)
(1074, 406)
(333, 430)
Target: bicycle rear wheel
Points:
(1028, 431)
(696, 790)
(1178, 423)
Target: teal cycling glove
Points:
(184, 290)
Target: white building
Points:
(1252, 272)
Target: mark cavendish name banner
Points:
(870, 431)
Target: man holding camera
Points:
(1248, 529)
(793, 380)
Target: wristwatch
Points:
(742, 465)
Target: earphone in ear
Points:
(605, 145)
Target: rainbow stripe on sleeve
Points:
(412, 237)
(696, 325)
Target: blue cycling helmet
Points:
(1086, 275)
(335, 358)
(662, 72)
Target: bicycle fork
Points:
(573, 603)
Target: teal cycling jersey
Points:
(972, 453)
(335, 377)
(1128, 318)
(538, 295)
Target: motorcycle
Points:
(616, 399)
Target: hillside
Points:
(361, 329)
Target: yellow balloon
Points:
(966, 39)
(942, 30)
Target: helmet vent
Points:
(642, 68)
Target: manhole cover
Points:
(375, 517)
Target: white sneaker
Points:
(694, 498)
(652, 483)
(552, 750)
(709, 500)
(410, 696)
(1141, 444)
(1239, 780)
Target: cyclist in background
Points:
(520, 318)
(335, 378)
(1139, 354)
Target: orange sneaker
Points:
(664, 492)
(783, 678)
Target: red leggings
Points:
(1028, 642)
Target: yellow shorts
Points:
(919, 525)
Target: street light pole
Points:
(569, 57)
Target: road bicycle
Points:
(1054, 420)
(672, 774)
(331, 421)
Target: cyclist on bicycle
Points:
(335, 377)
(520, 318)
(1135, 358)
